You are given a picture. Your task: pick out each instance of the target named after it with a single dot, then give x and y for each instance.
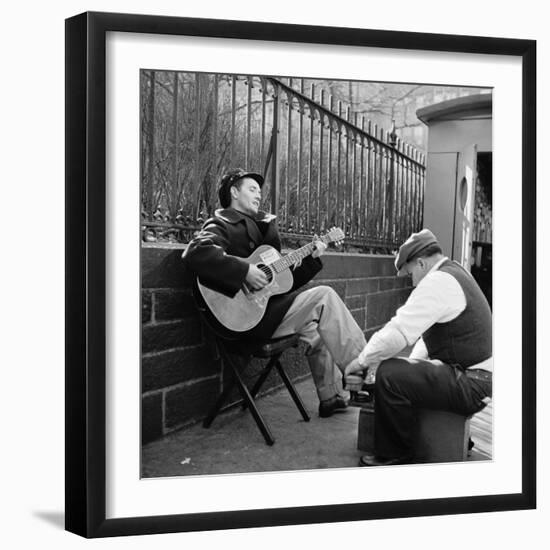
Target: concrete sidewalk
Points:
(234, 444)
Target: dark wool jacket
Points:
(214, 255)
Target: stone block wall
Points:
(181, 373)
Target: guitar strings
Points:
(267, 271)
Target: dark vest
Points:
(466, 340)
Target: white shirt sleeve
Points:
(383, 344)
(438, 298)
(419, 351)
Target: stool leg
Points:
(292, 391)
(253, 409)
(261, 379)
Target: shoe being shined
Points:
(371, 459)
(328, 406)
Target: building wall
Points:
(454, 135)
(439, 196)
(447, 141)
(181, 375)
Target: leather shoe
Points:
(328, 406)
(377, 460)
(362, 397)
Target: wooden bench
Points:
(440, 436)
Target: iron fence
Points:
(324, 166)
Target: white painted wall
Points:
(439, 197)
(454, 135)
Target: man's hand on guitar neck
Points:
(256, 278)
(320, 247)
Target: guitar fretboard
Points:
(290, 259)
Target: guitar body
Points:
(245, 310)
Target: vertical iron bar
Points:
(410, 205)
(329, 167)
(400, 193)
(418, 199)
(399, 210)
(381, 190)
(215, 143)
(149, 205)
(376, 193)
(369, 189)
(174, 186)
(299, 222)
(275, 154)
(418, 192)
(406, 177)
(262, 127)
(196, 167)
(320, 175)
(382, 186)
(399, 176)
(391, 192)
(415, 190)
(233, 112)
(339, 159)
(422, 183)
(406, 183)
(347, 225)
(387, 226)
(310, 169)
(402, 184)
(376, 190)
(391, 200)
(397, 201)
(411, 177)
(353, 202)
(248, 122)
(288, 160)
(361, 218)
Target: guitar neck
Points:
(290, 259)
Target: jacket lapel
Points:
(234, 216)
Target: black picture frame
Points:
(86, 268)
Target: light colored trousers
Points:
(334, 338)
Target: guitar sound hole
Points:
(267, 270)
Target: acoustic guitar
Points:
(245, 310)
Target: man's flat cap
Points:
(229, 179)
(415, 244)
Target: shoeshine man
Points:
(318, 315)
(449, 320)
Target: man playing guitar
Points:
(217, 257)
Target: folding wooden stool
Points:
(272, 350)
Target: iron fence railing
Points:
(324, 166)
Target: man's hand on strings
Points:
(256, 278)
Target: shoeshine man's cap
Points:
(229, 179)
(415, 244)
